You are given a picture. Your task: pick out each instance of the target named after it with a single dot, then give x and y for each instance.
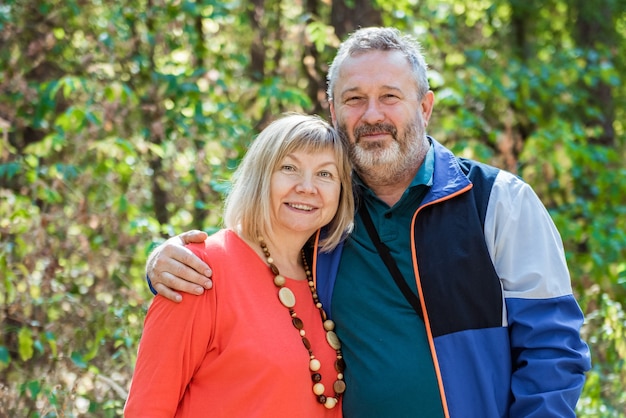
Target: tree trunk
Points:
(594, 26)
(347, 16)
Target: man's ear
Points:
(333, 117)
(426, 107)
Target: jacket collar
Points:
(448, 178)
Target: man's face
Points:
(376, 105)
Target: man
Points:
(489, 326)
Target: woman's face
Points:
(304, 191)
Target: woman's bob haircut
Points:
(247, 206)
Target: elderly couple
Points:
(364, 271)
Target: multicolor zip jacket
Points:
(502, 322)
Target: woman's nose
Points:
(306, 185)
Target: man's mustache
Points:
(378, 128)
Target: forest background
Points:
(122, 121)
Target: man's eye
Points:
(353, 100)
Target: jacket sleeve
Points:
(543, 317)
(174, 342)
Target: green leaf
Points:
(4, 355)
(78, 360)
(25, 343)
(52, 342)
(9, 170)
(34, 387)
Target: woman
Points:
(247, 349)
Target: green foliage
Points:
(126, 122)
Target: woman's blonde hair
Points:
(247, 206)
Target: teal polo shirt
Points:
(390, 372)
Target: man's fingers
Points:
(167, 293)
(191, 267)
(173, 268)
(181, 277)
(169, 285)
(194, 236)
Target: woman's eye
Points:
(326, 174)
(288, 168)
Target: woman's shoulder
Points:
(224, 243)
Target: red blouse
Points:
(233, 351)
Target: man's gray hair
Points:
(381, 39)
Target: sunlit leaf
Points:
(25, 343)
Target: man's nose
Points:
(373, 112)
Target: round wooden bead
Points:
(339, 386)
(330, 403)
(279, 280)
(314, 365)
(287, 298)
(329, 325)
(318, 389)
(316, 377)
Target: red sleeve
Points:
(173, 344)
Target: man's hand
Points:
(172, 267)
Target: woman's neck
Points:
(286, 251)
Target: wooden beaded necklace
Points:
(288, 300)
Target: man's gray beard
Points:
(381, 165)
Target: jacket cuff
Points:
(152, 289)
